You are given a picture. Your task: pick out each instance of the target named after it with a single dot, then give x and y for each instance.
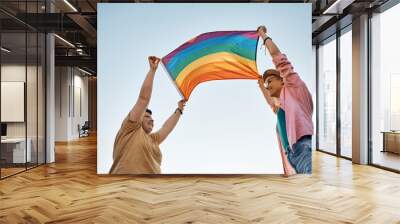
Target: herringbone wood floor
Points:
(69, 191)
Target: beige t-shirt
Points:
(135, 151)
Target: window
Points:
(385, 89)
(346, 93)
(327, 96)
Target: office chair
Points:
(84, 130)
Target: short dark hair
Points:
(149, 111)
(271, 72)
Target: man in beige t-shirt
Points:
(136, 149)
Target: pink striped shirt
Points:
(295, 100)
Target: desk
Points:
(391, 141)
(13, 150)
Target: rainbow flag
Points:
(213, 56)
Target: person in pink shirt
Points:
(291, 101)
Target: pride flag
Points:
(213, 56)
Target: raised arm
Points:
(143, 100)
(267, 41)
(171, 122)
(282, 64)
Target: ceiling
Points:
(76, 22)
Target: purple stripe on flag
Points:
(206, 36)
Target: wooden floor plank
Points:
(70, 191)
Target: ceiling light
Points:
(5, 50)
(70, 5)
(65, 41)
(338, 6)
(84, 71)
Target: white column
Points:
(50, 91)
(360, 90)
(50, 110)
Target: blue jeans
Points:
(300, 156)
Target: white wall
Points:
(12, 73)
(68, 82)
(16, 73)
(34, 123)
(61, 103)
(80, 83)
